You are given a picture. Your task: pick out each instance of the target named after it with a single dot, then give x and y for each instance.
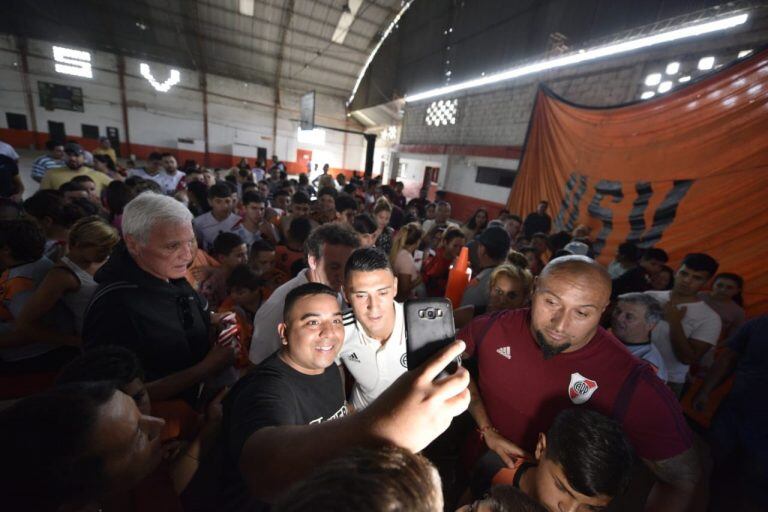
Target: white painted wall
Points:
(238, 112)
(462, 172)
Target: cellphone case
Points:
(429, 327)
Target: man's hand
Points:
(416, 409)
(218, 358)
(504, 448)
(673, 314)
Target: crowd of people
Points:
(195, 339)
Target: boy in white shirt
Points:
(690, 328)
(374, 348)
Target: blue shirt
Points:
(751, 376)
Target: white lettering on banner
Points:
(173, 79)
(72, 62)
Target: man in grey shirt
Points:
(491, 251)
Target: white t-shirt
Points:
(700, 322)
(207, 228)
(374, 366)
(405, 264)
(430, 223)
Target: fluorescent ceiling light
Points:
(588, 55)
(653, 79)
(744, 53)
(173, 78)
(673, 68)
(376, 48)
(647, 95)
(345, 21)
(245, 7)
(665, 86)
(684, 79)
(706, 63)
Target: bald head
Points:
(578, 268)
(570, 296)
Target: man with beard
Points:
(534, 363)
(75, 166)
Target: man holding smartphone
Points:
(374, 348)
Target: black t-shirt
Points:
(273, 394)
(537, 223)
(9, 169)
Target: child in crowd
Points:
(246, 294)
(582, 462)
(56, 217)
(230, 251)
(289, 257)
(220, 219)
(365, 227)
(262, 261)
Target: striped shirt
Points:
(42, 165)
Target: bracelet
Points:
(483, 430)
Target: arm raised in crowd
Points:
(410, 414)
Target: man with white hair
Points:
(632, 321)
(145, 304)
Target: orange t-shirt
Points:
(285, 258)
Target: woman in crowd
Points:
(117, 196)
(663, 279)
(70, 282)
(104, 163)
(382, 211)
(476, 224)
(436, 268)
(725, 298)
(510, 288)
(405, 243)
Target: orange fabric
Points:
(686, 172)
(285, 258)
(202, 259)
(181, 421)
(506, 476)
(8, 289)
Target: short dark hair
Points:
(364, 224)
(226, 242)
(376, 480)
(220, 189)
(111, 363)
(629, 251)
(163, 155)
(280, 193)
(512, 216)
(51, 144)
(452, 233)
(655, 254)
(45, 441)
(51, 204)
(345, 202)
(506, 498)
(299, 229)
(72, 186)
(701, 262)
(253, 197)
(81, 179)
(331, 233)
(544, 201)
(592, 451)
(261, 245)
(24, 237)
(243, 277)
(155, 155)
(327, 191)
(367, 259)
(300, 198)
(304, 290)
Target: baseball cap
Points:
(496, 240)
(579, 248)
(73, 147)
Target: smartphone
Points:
(429, 327)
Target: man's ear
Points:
(311, 262)
(541, 447)
(394, 286)
(131, 244)
(281, 329)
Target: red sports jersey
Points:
(523, 392)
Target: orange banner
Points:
(686, 172)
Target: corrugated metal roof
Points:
(213, 35)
